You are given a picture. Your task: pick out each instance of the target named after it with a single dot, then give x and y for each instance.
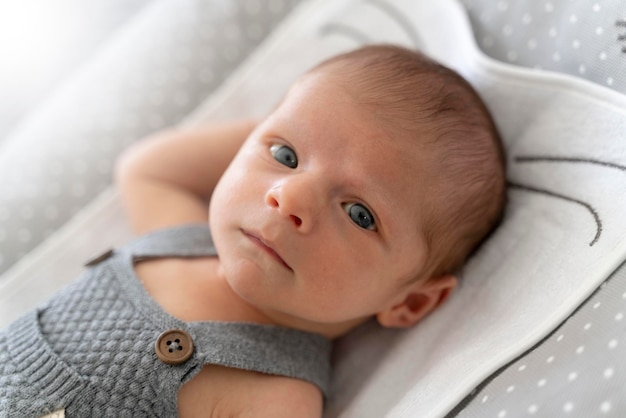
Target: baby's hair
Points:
(416, 97)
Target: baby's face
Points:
(317, 221)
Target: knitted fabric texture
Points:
(90, 350)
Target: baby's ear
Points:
(419, 300)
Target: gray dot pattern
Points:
(150, 74)
(578, 370)
(583, 38)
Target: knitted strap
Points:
(262, 348)
(266, 349)
(190, 240)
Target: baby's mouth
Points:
(266, 246)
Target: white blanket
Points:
(562, 235)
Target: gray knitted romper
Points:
(102, 347)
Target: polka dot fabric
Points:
(578, 370)
(151, 74)
(584, 38)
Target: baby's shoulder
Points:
(224, 391)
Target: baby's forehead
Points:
(410, 142)
(400, 128)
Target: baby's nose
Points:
(295, 202)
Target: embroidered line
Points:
(360, 38)
(536, 158)
(587, 206)
(400, 18)
(346, 31)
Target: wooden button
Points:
(100, 258)
(174, 347)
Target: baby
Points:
(358, 197)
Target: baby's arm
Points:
(245, 394)
(167, 178)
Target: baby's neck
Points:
(194, 290)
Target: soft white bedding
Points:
(563, 233)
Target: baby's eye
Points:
(284, 155)
(360, 215)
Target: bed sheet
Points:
(562, 236)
